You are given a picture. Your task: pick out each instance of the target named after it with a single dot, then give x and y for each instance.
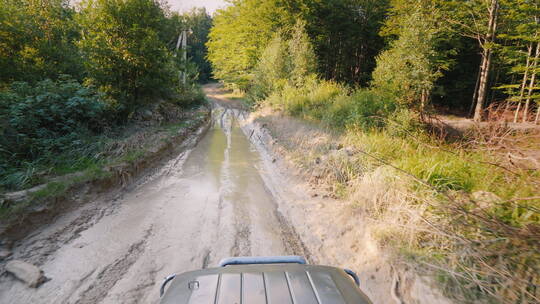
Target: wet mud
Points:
(205, 204)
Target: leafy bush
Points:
(363, 109)
(190, 96)
(42, 122)
(302, 61)
(38, 40)
(284, 63)
(410, 67)
(309, 101)
(272, 70)
(334, 105)
(138, 66)
(403, 123)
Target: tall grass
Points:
(334, 104)
(454, 210)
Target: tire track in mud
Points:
(41, 249)
(242, 220)
(206, 258)
(242, 243)
(148, 282)
(290, 238)
(113, 272)
(292, 241)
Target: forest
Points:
(383, 75)
(460, 56)
(74, 75)
(386, 78)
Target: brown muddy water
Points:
(206, 204)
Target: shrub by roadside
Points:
(50, 124)
(61, 127)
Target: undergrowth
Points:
(456, 210)
(54, 128)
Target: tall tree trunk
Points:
(524, 83)
(531, 84)
(482, 85)
(475, 95)
(537, 114)
(495, 82)
(487, 54)
(424, 99)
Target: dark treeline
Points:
(71, 71)
(462, 56)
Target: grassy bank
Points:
(459, 210)
(124, 147)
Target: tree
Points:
(477, 19)
(37, 40)
(284, 62)
(521, 50)
(272, 71)
(124, 49)
(302, 59)
(410, 67)
(240, 33)
(344, 34)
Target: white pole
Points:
(178, 42)
(184, 54)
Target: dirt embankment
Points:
(154, 138)
(333, 231)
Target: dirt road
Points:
(206, 204)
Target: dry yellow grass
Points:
(444, 221)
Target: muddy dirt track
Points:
(205, 204)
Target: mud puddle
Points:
(204, 205)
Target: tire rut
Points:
(113, 272)
(41, 249)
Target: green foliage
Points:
(284, 62)
(312, 100)
(125, 49)
(37, 40)
(488, 236)
(125, 55)
(46, 123)
(302, 60)
(334, 105)
(410, 67)
(46, 117)
(197, 24)
(190, 96)
(344, 34)
(240, 34)
(404, 123)
(272, 71)
(518, 47)
(362, 110)
(200, 23)
(455, 88)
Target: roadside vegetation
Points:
(77, 78)
(464, 209)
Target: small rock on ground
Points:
(26, 272)
(4, 253)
